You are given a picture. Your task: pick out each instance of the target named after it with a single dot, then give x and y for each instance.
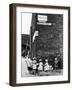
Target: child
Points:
(40, 68)
(47, 67)
(34, 65)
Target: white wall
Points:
(4, 45)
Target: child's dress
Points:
(34, 65)
(46, 67)
(40, 66)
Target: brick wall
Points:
(50, 39)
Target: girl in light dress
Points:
(40, 68)
(47, 67)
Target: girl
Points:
(40, 68)
(34, 65)
(47, 67)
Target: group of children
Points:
(40, 66)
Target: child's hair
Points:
(46, 60)
(40, 60)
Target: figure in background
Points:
(29, 62)
(56, 63)
(26, 65)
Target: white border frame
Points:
(64, 77)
